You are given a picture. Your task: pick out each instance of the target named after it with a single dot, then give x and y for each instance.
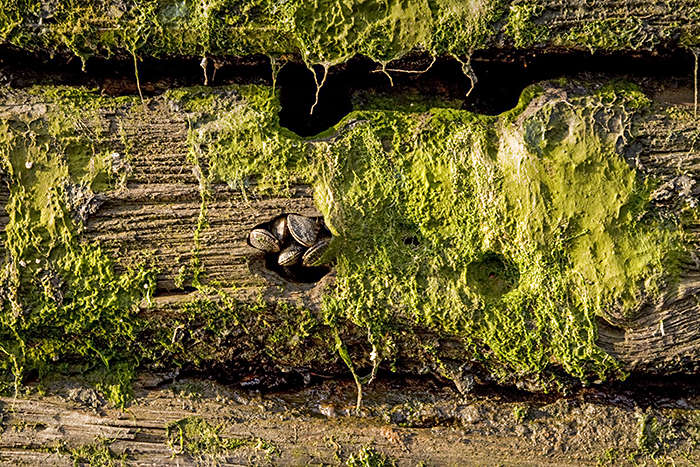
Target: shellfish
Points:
(263, 240)
(303, 229)
(290, 255)
(279, 228)
(314, 254)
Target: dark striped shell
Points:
(290, 255)
(279, 229)
(314, 254)
(303, 229)
(263, 241)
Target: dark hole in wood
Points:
(411, 241)
(296, 272)
(502, 76)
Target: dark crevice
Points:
(502, 75)
(638, 391)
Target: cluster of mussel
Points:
(298, 241)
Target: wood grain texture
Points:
(314, 426)
(153, 216)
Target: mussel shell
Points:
(290, 255)
(303, 229)
(314, 254)
(263, 240)
(279, 228)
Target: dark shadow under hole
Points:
(502, 75)
(296, 273)
(298, 93)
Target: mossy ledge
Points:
(507, 236)
(326, 32)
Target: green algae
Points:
(62, 299)
(197, 438)
(522, 26)
(203, 332)
(611, 34)
(236, 130)
(320, 32)
(369, 457)
(98, 452)
(417, 201)
(512, 234)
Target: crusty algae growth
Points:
(61, 300)
(511, 233)
(328, 32)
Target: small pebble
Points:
(327, 410)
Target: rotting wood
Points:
(155, 213)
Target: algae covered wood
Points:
(152, 205)
(327, 33)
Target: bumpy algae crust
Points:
(236, 130)
(512, 232)
(61, 298)
(322, 32)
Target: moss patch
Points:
(611, 34)
(369, 457)
(61, 298)
(420, 202)
(96, 453)
(522, 26)
(197, 438)
(236, 130)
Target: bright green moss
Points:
(512, 232)
(522, 27)
(55, 285)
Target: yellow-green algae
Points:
(199, 439)
(62, 301)
(324, 32)
(537, 196)
(512, 234)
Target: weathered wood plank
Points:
(313, 426)
(155, 213)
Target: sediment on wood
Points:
(197, 421)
